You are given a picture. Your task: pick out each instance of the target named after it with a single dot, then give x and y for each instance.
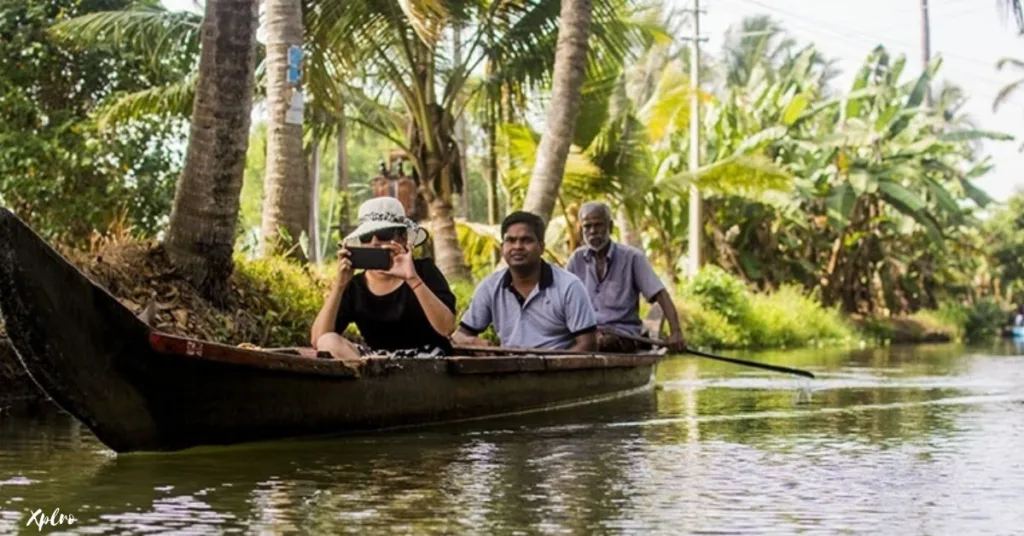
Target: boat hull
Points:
(139, 390)
(199, 400)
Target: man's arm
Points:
(676, 341)
(463, 337)
(580, 319)
(654, 290)
(585, 342)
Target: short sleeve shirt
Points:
(552, 316)
(616, 298)
(395, 321)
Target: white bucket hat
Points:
(385, 213)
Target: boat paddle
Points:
(733, 360)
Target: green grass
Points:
(721, 312)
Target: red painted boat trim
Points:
(222, 353)
(196, 349)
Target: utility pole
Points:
(926, 46)
(696, 222)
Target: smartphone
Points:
(370, 258)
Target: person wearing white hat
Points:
(406, 310)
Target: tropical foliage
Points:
(58, 169)
(861, 198)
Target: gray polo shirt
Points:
(555, 312)
(616, 298)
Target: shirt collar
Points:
(589, 253)
(547, 276)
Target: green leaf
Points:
(172, 100)
(976, 194)
(862, 181)
(794, 109)
(840, 205)
(915, 99)
(907, 204)
(971, 135)
(903, 197)
(943, 198)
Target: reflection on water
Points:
(908, 441)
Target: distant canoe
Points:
(141, 390)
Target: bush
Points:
(707, 328)
(970, 323)
(293, 295)
(788, 318)
(716, 289)
(948, 319)
(983, 321)
(722, 312)
(463, 291)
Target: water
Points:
(928, 440)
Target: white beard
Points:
(598, 247)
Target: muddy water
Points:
(926, 440)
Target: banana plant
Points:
(876, 164)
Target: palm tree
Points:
(756, 48)
(1008, 90)
(412, 90)
(286, 206)
(146, 28)
(201, 236)
(569, 73)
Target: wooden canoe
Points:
(141, 390)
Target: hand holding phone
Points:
(344, 265)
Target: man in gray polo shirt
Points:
(615, 276)
(532, 304)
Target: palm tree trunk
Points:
(627, 232)
(460, 129)
(567, 80)
(286, 186)
(447, 252)
(341, 173)
(314, 202)
(201, 236)
(492, 170)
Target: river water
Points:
(923, 440)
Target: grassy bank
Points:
(273, 301)
(720, 311)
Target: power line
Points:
(822, 28)
(815, 26)
(859, 35)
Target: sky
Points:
(970, 35)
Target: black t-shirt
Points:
(395, 321)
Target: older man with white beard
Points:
(615, 275)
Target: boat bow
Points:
(71, 335)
